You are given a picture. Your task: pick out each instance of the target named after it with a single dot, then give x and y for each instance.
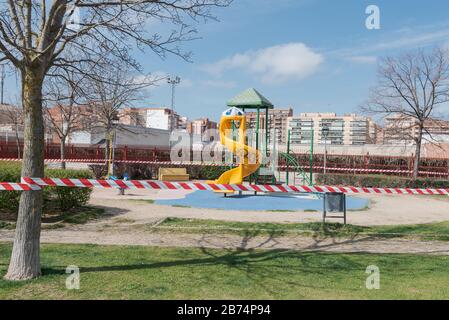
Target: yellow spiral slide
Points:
(249, 158)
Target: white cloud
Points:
(273, 64)
(217, 68)
(362, 59)
(412, 40)
(219, 84)
(159, 80)
(160, 74)
(446, 46)
(405, 38)
(186, 83)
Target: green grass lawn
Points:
(133, 272)
(431, 231)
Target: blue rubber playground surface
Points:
(211, 200)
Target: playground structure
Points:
(291, 162)
(249, 158)
(249, 162)
(251, 99)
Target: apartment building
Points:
(165, 119)
(436, 130)
(183, 123)
(133, 116)
(343, 130)
(403, 130)
(5, 113)
(376, 133)
(199, 126)
(277, 122)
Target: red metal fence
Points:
(353, 163)
(428, 167)
(53, 151)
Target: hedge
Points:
(55, 198)
(211, 173)
(145, 171)
(379, 181)
(66, 198)
(9, 172)
(134, 171)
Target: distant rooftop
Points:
(328, 115)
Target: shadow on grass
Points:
(280, 266)
(256, 265)
(243, 257)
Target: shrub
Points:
(379, 181)
(135, 171)
(211, 173)
(55, 198)
(9, 172)
(66, 198)
(146, 171)
(99, 170)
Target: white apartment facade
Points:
(164, 119)
(343, 130)
(277, 123)
(403, 130)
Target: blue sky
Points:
(312, 55)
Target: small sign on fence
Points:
(334, 202)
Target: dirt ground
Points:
(129, 214)
(383, 209)
(127, 235)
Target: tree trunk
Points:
(107, 149)
(63, 166)
(106, 155)
(25, 258)
(19, 155)
(417, 152)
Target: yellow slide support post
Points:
(245, 153)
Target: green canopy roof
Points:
(250, 98)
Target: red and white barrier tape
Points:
(101, 161)
(363, 170)
(11, 186)
(210, 164)
(202, 186)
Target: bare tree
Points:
(114, 89)
(14, 116)
(109, 93)
(41, 37)
(64, 97)
(411, 90)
